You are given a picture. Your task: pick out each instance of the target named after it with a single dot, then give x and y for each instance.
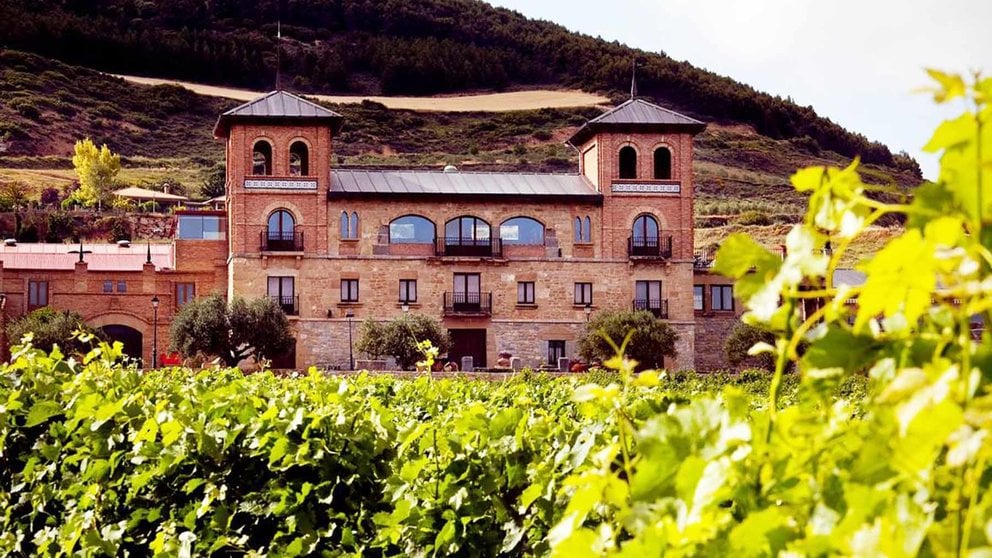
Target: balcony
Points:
(280, 241)
(659, 308)
(468, 303)
(469, 247)
(290, 304)
(647, 247)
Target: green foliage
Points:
(399, 338)
(49, 327)
(742, 338)
(61, 227)
(96, 169)
(100, 459)
(213, 185)
(651, 339)
(235, 331)
(756, 218)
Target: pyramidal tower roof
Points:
(277, 106)
(636, 115)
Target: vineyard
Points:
(871, 437)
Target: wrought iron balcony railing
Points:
(650, 247)
(290, 304)
(281, 241)
(468, 303)
(473, 247)
(656, 306)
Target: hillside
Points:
(166, 131)
(393, 47)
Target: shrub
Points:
(740, 341)
(398, 338)
(61, 227)
(244, 328)
(50, 327)
(651, 339)
(755, 218)
(50, 197)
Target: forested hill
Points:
(392, 47)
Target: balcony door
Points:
(282, 291)
(467, 292)
(647, 296)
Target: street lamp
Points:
(155, 331)
(588, 310)
(405, 307)
(351, 353)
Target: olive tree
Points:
(245, 327)
(50, 327)
(398, 338)
(651, 339)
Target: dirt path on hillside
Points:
(491, 102)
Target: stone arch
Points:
(261, 156)
(285, 205)
(300, 147)
(663, 157)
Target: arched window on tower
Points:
(644, 238)
(628, 162)
(261, 158)
(299, 159)
(662, 164)
(280, 234)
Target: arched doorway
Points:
(128, 336)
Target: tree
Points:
(213, 185)
(51, 327)
(96, 169)
(235, 331)
(398, 338)
(652, 339)
(740, 341)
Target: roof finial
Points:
(278, 54)
(633, 79)
(148, 258)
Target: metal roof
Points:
(103, 257)
(277, 105)
(145, 194)
(849, 277)
(636, 113)
(444, 183)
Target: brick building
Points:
(510, 262)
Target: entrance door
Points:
(468, 342)
(128, 336)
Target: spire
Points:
(278, 54)
(633, 79)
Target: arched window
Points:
(281, 231)
(411, 229)
(466, 228)
(299, 159)
(628, 162)
(261, 158)
(583, 230)
(587, 231)
(577, 226)
(645, 231)
(522, 230)
(662, 163)
(349, 225)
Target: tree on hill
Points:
(97, 168)
(51, 327)
(398, 338)
(245, 327)
(652, 339)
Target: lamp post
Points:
(3, 327)
(351, 353)
(154, 331)
(588, 310)
(405, 307)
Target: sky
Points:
(856, 62)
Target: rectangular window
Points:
(722, 297)
(525, 292)
(556, 350)
(697, 297)
(122, 286)
(583, 294)
(37, 294)
(201, 227)
(185, 292)
(349, 290)
(408, 291)
(647, 295)
(108, 286)
(283, 291)
(468, 285)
